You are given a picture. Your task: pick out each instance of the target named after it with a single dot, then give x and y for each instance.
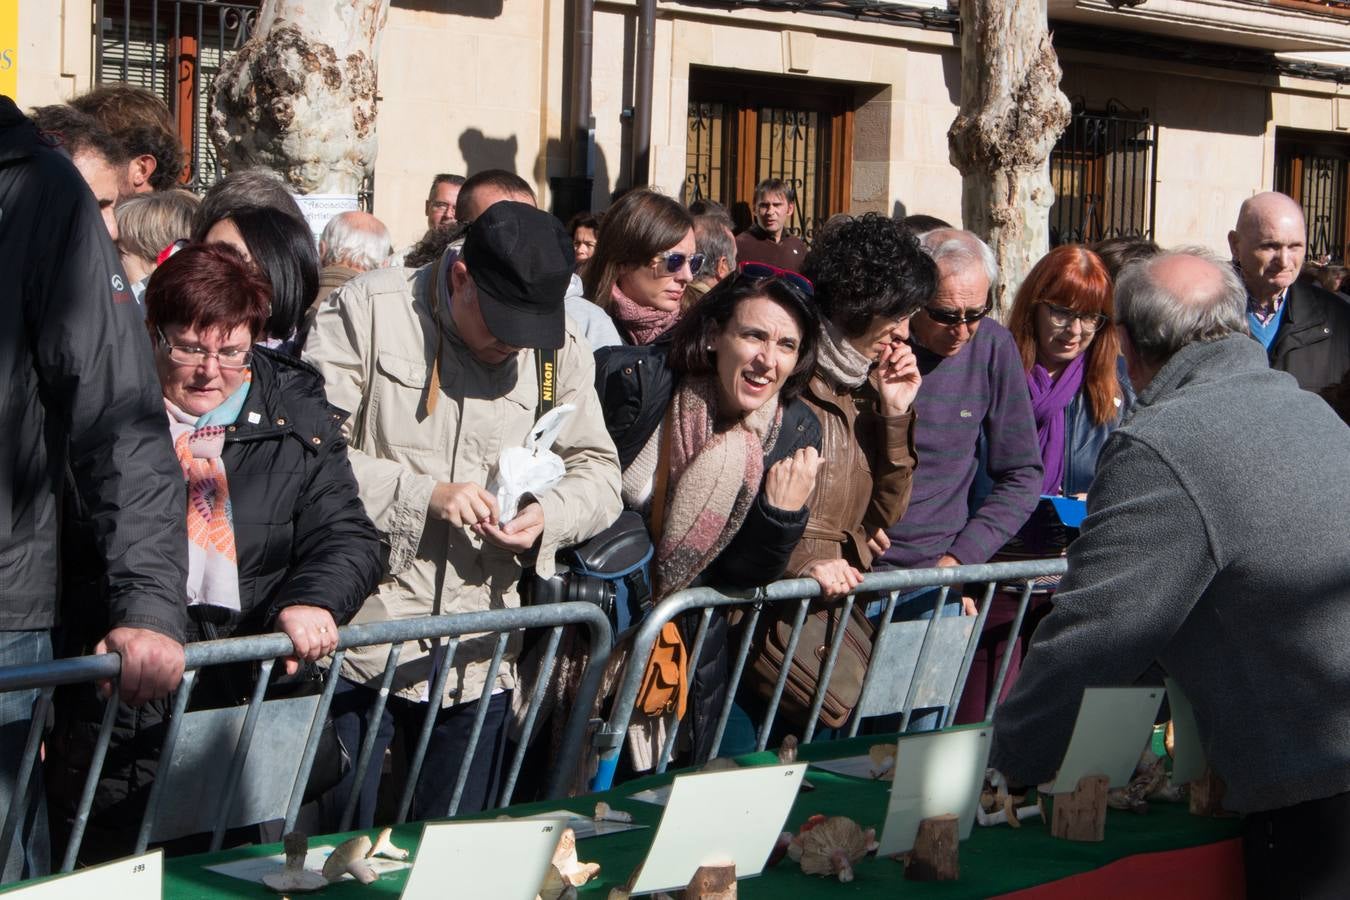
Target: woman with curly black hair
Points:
(870, 276)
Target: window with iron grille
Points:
(1312, 167)
(1103, 170)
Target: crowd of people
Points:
(234, 429)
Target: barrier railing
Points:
(936, 679)
(265, 649)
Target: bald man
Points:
(1305, 329)
(1233, 577)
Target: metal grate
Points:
(1317, 178)
(705, 147)
(1103, 170)
(793, 143)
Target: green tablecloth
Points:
(994, 861)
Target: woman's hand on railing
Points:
(790, 481)
(835, 577)
(312, 631)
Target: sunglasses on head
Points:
(764, 270)
(955, 317)
(672, 261)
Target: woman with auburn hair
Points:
(644, 258)
(1063, 322)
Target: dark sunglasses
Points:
(672, 261)
(764, 270)
(954, 317)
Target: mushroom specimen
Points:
(883, 761)
(565, 861)
(350, 858)
(605, 813)
(295, 878)
(384, 847)
(832, 846)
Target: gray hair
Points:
(245, 189)
(953, 247)
(1161, 322)
(147, 223)
(356, 241)
(714, 241)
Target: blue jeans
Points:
(915, 606)
(30, 856)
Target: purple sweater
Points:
(983, 385)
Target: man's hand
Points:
(313, 633)
(898, 379)
(879, 542)
(947, 561)
(462, 504)
(835, 576)
(790, 481)
(520, 534)
(152, 664)
(969, 607)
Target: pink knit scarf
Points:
(643, 323)
(714, 477)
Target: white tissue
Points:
(533, 468)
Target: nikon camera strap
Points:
(546, 370)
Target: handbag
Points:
(819, 628)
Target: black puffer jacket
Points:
(1313, 343)
(636, 385)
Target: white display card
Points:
(716, 817)
(1188, 754)
(936, 773)
(1113, 726)
(255, 867)
(494, 860)
(127, 879)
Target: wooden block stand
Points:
(1081, 814)
(1206, 796)
(936, 853)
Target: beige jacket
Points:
(373, 340)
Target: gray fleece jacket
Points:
(1217, 542)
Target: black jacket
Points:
(1313, 343)
(78, 391)
(301, 533)
(635, 386)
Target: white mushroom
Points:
(570, 869)
(350, 858)
(605, 813)
(294, 878)
(384, 847)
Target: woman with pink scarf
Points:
(644, 259)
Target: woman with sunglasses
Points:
(1061, 320)
(278, 539)
(718, 452)
(644, 258)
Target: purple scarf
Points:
(1049, 399)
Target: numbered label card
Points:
(935, 774)
(1113, 726)
(133, 877)
(716, 817)
(1188, 754)
(504, 860)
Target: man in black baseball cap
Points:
(517, 264)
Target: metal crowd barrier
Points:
(265, 649)
(921, 690)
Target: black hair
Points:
(696, 330)
(583, 220)
(920, 223)
(869, 266)
(501, 179)
(1117, 251)
(776, 186)
(283, 250)
(245, 189)
(77, 132)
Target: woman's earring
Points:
(710, 348)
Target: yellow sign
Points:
(9, 48)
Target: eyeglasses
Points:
(187, 355)
(764, 270)
(954, 317)
(672, 261)
(1062, 317)
(439, 206)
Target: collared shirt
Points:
(1265, 324)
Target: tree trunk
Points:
(299, 96)
(1012, 112)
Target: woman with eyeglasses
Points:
(1061, 320)
(278, 539)
(718, 452)
(644, 258)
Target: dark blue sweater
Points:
(982, 387)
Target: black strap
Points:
(546, 370)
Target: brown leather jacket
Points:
(865, 481)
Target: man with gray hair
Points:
(972, 420)
(714, 239)
(352, 242)
(1217, 512)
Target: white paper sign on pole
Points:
(319, 208)
(937, 773)
(494, 860)
(134, 878)
(1113, 726)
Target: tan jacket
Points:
(865, 482)
(373, 340)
